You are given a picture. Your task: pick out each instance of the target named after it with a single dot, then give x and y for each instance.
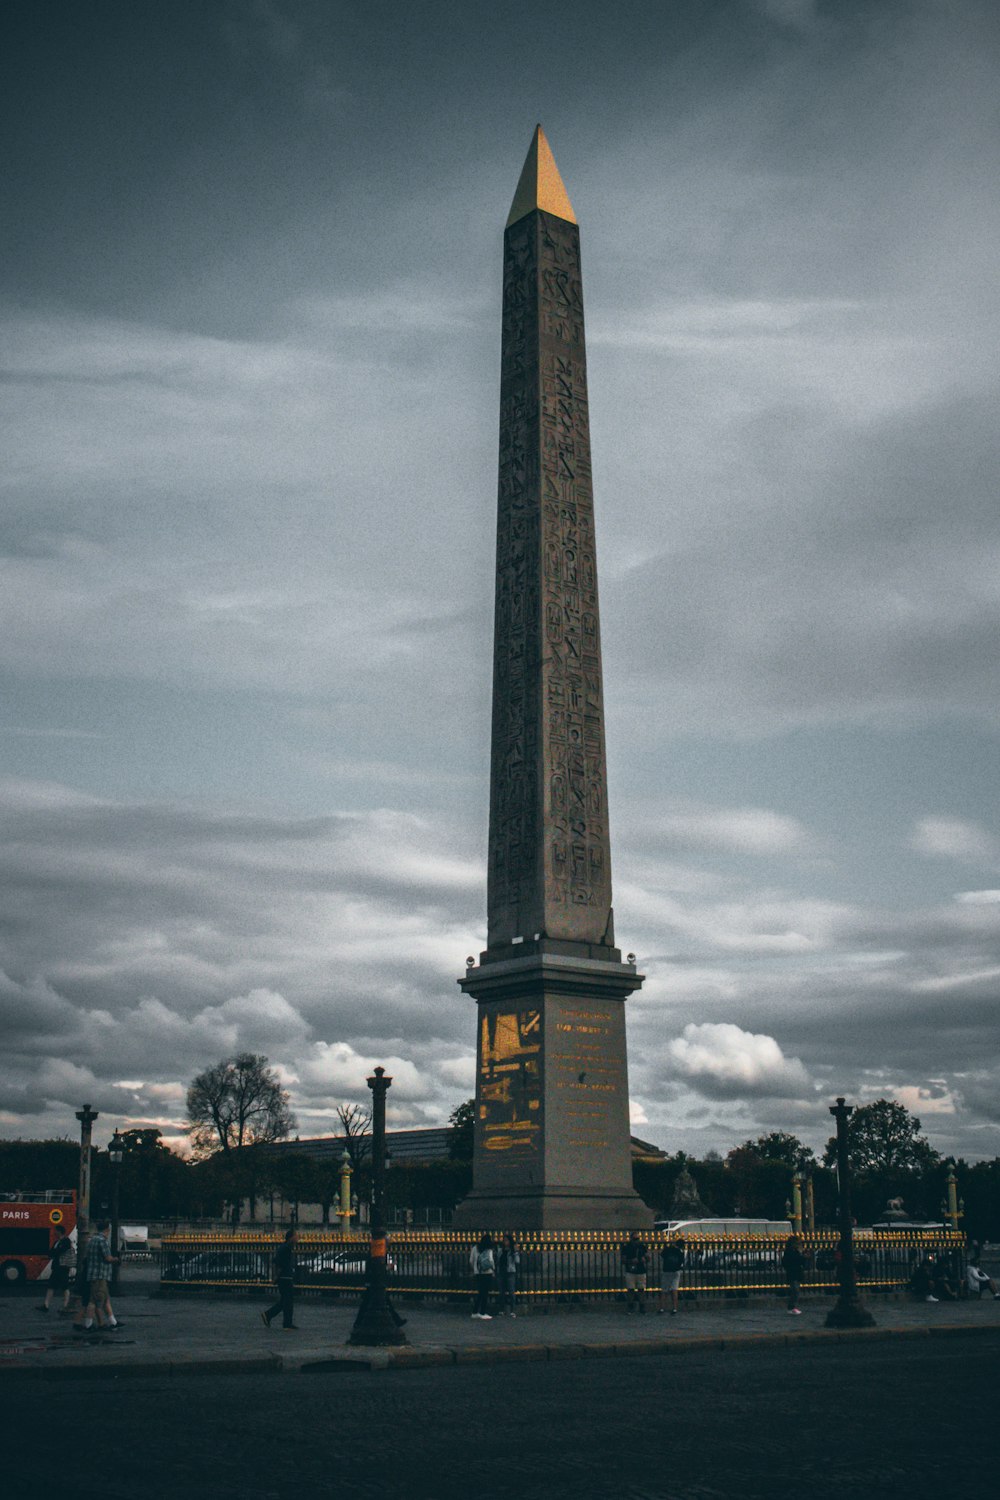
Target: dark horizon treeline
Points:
(158, 1184)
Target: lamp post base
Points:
(376, 1328)
(849, 1312)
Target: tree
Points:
(778, 1146)
(296, 1176)
(238, 1102)
(884, 1139)
(461, 1135)
(356, 1124)
(154, 1181)
(235, 1108)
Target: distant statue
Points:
(686, 1203)
(894, 1211)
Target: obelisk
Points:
(552, 1142)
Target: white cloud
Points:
(746, 830)
(954, 838)
(925, 1101)
(723, 1061)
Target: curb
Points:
(422, 1357)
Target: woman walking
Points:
(510, 1260)
(793, 1264)
(63, 1265)
(483, 1262)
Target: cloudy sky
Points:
(249, 322)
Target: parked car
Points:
(334, 1265)
(220, 1266)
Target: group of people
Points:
(495, 1269)
(635, 1267)
(933, 1281)
(92, 1282)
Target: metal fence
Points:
(554, 1266)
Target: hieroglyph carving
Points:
(549, 861)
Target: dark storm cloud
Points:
(248, 306)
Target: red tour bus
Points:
(30, 1224)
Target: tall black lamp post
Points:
(86, 1116)
(374, 1323)
(116, 1150)
(848, 1311)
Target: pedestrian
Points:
(97, 1260)
(793, 1264)
(671, 1266)
(509, 1262)
(483, 1262)
(284, 1276)
(921, 1282)
(63, 1262)
(944, 1289)
(978, 1282)
(634, 1261)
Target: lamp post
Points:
(954, 1212)
(374, 1324)
(86, 1116)
(344, 1211)
(810, 1205)
(116, 1150)
(797, 1202)
(848, 1311)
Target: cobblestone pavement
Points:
(189, 1332)
(892, 1418)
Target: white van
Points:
(724, 1226)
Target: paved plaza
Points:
(191, 1333)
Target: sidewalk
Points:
(181, 1335)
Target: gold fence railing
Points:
(553, 1265)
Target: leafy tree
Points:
(154, 1181)
(238, 1102)
(35, 1165)
(778, 1146)
(461, 1133)
(883, 1139)
(295, 1176)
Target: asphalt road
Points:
(890, 1420)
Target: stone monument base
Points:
(552, 1208)
(552, 1147)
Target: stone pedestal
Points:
(552, 1140)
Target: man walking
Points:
(97, 1260)
(284, 1275)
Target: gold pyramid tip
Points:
(540, 185)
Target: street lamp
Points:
(344, 1212)
(116, 1150)
(86, 1116)
(952, 1209)
(848, 1311)
(374, 1323)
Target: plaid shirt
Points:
(98, 1254)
